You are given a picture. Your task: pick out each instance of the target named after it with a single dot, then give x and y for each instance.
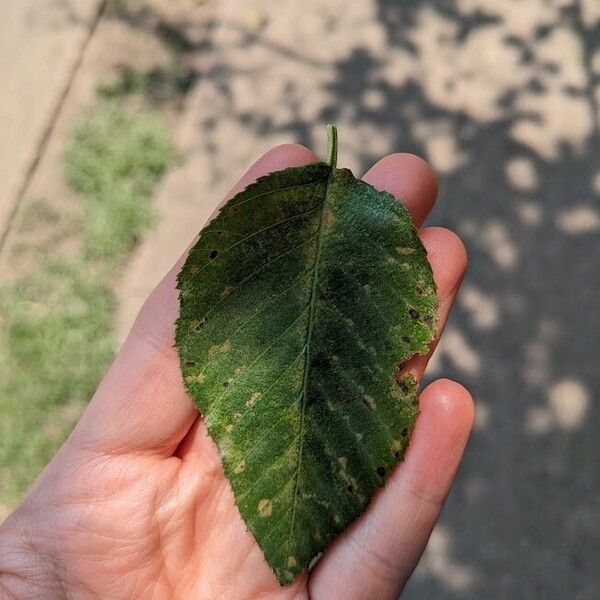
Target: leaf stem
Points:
(331, 145)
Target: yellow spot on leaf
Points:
(219, 349)
(239, 468)
(343, 462)
(291, 562)
(265, 508)
(405, 250)
(370, 401)
(237, 416)
(253, 398)
(200, 378)
(226, 291)
(337, 519)
(229, 428)
(359, 436)
(395, 447)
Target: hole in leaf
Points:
(396, 454)
(350, 488)
(225, 383)
(405, 432)
(190, 363)
(406, 339)
(381, 471)
(213, 254)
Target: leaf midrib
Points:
(309, 328)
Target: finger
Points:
(376, 555)
(448, 259)
(409, 179)
(141, 404)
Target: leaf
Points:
(299, 302)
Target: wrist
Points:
(25, 571)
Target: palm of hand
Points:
(135, 505)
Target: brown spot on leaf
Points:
(213, 254)
(265, 508)
(414, 314)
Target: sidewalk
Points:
(41, 44)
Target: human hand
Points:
(135, 504)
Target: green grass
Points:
(55, 322)
(114, 161)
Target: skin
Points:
(135, 504)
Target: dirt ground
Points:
(503, 98)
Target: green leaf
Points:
(299, 304)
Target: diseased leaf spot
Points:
(292, 562)
(200, 378)
(342, 394)
(405, 432)
(405, 250)
(343, 462)
(213, 254)
(406, 339)
(227, 382)
(240, 467)
(190, 363)
(414, 314)
(351, 489)
(229, 428)
(395, 448)
(429, 321)
(198, 325)
(381, 471)
(253, 398)
(265, 508)
(237, 416)
(368, 401)
(219, 349)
